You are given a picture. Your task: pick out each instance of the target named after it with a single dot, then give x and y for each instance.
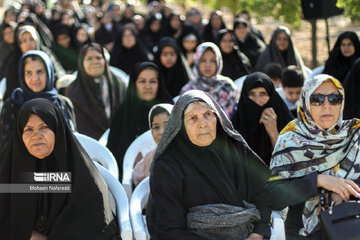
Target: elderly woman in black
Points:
(44, 143)
(317, 152)
(260, 115)
(96, 93)
(202, 160)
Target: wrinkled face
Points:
(38, 138)
(207, 64)
(347, 47)
(27, 42)
(241, 31)
(155, 26)
(158, 125)
(227, 43)
(325, 115)
(82, 35)
(147, 85)
(8, 35)
(175, 22)
(35, 75)
(128, 39)
(200, 124)
(94, 63)
(168, 57)
(282, 41)
(292, 93)
(216, 21)
(189, 44)
(63, 40)
(259, 95)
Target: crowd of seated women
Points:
(239, 153)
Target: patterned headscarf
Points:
(304, 147)
(200, 50)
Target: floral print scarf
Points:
(303, 147)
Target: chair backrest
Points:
(143, 144)
(2, 88)
(122, 204)
(104, 138)
(120, 74)
(138, 202)
(307, 70)
(99, 153)
(239, 82)
(315, 71)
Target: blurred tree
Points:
(352, 8)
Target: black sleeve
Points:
(7, 126)
(257, 175)
(166, 186)
(290, 192)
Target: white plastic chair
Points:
(120, 74)
(99, 153)
(2, 91)
(307, 70)
(315, 71)
(122, 204)
(239, 82)
(104, 138)
(278, 227)
(137, 204)
(143, 144)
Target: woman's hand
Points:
(37, 236)
(254, 236)
(269, 119)
(343, 187)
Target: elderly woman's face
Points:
(38, 138)
(259, 95)
(35, 75)
(325, 115)
(200, 125)
(94, 63)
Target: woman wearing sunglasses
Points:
(316, 153)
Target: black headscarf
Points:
(125, 58)
(187, 30)
(352, 90)
(272, 54)
(177, 76)
(53, 214)
(152, 38)
(79, 44)
(210, 33)
(235, 64)
(130, 120)
(228, 164)
(248, 113)
(338, 65)
(86, 96)
(252, 46)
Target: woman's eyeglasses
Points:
(319, 99)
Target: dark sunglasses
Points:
(319, 99)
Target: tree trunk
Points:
(313, 43)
